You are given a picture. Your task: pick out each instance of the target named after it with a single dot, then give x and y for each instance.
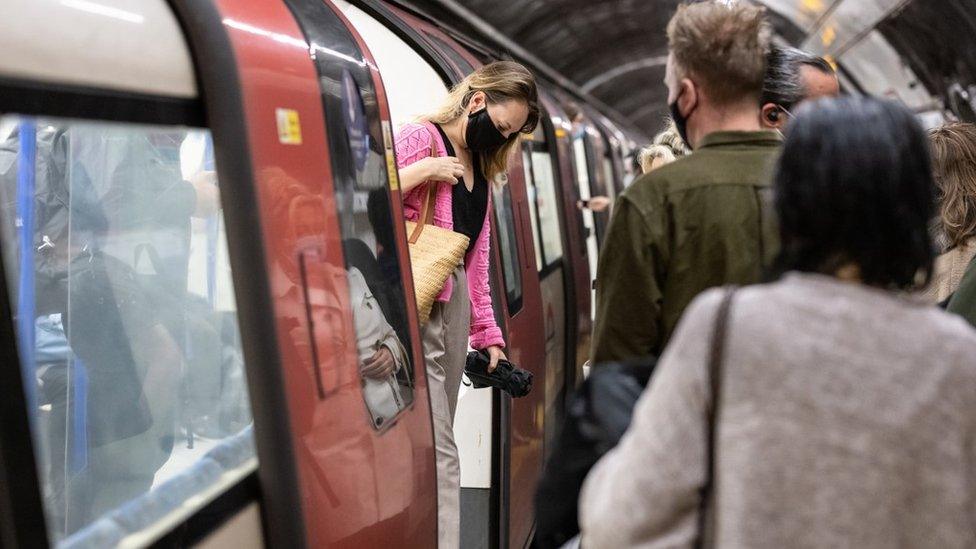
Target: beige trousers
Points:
(445, 348)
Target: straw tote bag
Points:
(434, 251)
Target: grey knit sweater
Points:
(848, 419)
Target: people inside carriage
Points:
(792, 77)
(111, 234)
(699, 221)
(459, 150)
(841, 408)
(954, 166)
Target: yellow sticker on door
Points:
(289, 128)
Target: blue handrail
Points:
(26, 157)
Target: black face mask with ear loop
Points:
(482, 135)
(680, 122)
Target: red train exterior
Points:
(326, 475)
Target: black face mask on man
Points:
(680, 122)
(482, 135)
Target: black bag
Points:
(507, 377)
(596, 418)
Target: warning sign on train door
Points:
(289, 128)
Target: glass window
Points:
(547, 206)
(124, 306)
(608, 175)
(533, 215)
(413, 87)
(369, 244)
(361, 153)
(511, 266)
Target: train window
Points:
(511, 266)
(413, 87)
(547, 207)
(125, 316)
(608, 174)
(533, 215)
(359, 155)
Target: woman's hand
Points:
(380, 365)
(495, 353)
(443, 168)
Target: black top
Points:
(468, 207)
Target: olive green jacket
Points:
(699, 222)
(963, 301)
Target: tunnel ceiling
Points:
(616, 49)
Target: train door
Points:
(133, 348)
(517, 425)
(542, 184)
(577, 281)
(496, 478)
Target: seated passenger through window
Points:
(473, 135)
(844, 408)
(137, 347)
(954, 165)
(697, 222)
(792, 77)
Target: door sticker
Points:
(289, 127)
(391, 168)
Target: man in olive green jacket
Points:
(701, 221)
(963, 301)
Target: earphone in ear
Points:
(773, 115)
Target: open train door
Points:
(499, 439)
(315, 120)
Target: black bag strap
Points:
(715, 360)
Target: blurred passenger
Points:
(665, 149)
(954, 166)
(844, 409)
(793, 76)
(963, 301)
(597, 203)
(474, 134)
(697, 222)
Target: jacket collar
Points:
(724, 139)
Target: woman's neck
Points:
(453, 131)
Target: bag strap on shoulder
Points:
(427, 210)
(715, 360)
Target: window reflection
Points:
(369, 245)
(115, 244)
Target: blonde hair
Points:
(724, 47)
(954, 167)
(651, 152)
(666, 145)
(500, 81)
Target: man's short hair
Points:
(783, 83)
(722, 47)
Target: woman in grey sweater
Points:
(846, 414)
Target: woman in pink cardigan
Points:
(474, 133)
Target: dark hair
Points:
(854, 186)
(782, 84)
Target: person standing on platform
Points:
(792, 77)
(699, 221)
(828, 408)
(474, 134)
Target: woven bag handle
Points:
(427, 210)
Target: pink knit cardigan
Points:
(412, 144)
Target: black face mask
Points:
(482, 135)
(680, 122)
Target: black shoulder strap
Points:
(715, 360)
